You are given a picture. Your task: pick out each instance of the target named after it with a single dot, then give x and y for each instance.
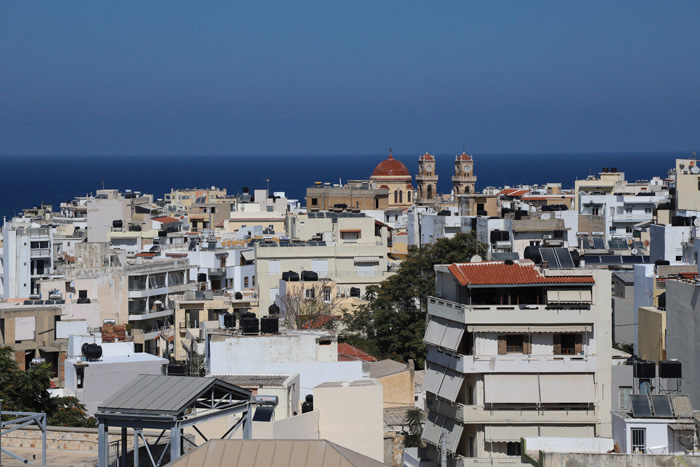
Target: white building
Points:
(515, 351)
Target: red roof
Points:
(391, 168)
(350, 230)
(348, 353)
(165, 219)
(515, 192)
(464, 157)
(497, 272)
(176, 255)
(319, 322)
(145, 255)
(427, 157)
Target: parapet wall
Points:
(618, 460)
(66, 438)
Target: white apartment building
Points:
(622, 212)
(515, 351)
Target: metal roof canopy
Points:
(170, 403)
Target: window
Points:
(314, 201)
(628, 229)
(624, 393)
(639, 443)
(213, 210)
(245, 282)
(253, 280)
(648, 210)
(568, 344)
(612, 229)
(396, 196)
(310, 294)
(513, 449)
(326, 294)
(535, 242)
(514, 344)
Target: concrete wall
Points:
(352, 416)
(623, 320)
(67, 439)
(615, 460)
(652, 333)
(399, 389)
(682, 328)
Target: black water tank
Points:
(273, 309)
(677, 221)
(117, 224)
(269, 325)
(290, 276)
(662, 301)
(445, 213)
(645, 370)
(309, 276)
(229, 320)
(482, 213)
(238, 296)
(575, 257)
(83, 300)
(533, 253)
(670, 369)
(92, 352)
(247, 314)
(508, 262)
(176, 369)
(246, 189)
(662, 262)
(495, 236)
(354, 291)
(308, 405)
(162, 233)
(250, 326)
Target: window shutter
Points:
(578, 344)
(527, 345)
(501, 345)
(557, 344)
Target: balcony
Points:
(162, 290)
(632, 217)
(478, 414)
(40, 253)
(144, 315)
(484, 461)
(514, 363)
(511, 314)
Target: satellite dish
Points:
(72, 284)
(695, 169)
(635, 251)
(476, 259)
(696, 222)
(546, 217)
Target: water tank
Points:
(670, 369)
(117, 224)
(444, 212)
(269, 325)
(308, 404)
(176, 369)
(83, 300)
(229, 320)
(662, 262)
(238, 296)
(677, 221)
(482, 213)
(662, 301)
(273, 309)
(247, 314)
(309, 276)
(92, 352)
(250, 326)
(290, 276)
(645, 370)
(354, 291)
(533, 253)
(162, 233)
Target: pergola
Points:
(169, 403)
(23, 419)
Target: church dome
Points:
(391, 168)
(464, 157)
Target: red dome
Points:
(391, 168)
(427, 157)
(464, 157)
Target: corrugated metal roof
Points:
(164, 395)
(245, 381)
(497, 273)
(274, 453)
(386, 367)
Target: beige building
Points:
(398, 382)
(609, 181)
(515, 351)
(184, 198)
(464, 180)
(393, 175)
(687, 185)
(427, 179)
(356, 194)
(478, 204)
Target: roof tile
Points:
(498, 272)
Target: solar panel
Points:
(610, 259)
(640, 406)
(312, 215)
(638, 245)
(565, 259)
(662, 405)
(586, 244)
(645, 259)
(592, 259)
(617, 244)
(549, 256)
(598, 243)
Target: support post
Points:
(248, 422)
(175, 442)
(102, 444)
(123, 456)
(43, 439)
(136, 447)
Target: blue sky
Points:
(183, 77)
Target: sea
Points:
(27, 181)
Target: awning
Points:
(568, 296)
(367, 259)
(433, 379)
(454, 433)
(567, 431)
(433, 428)
(509, 433)
(248, 255)
(682, 426)
(453, 335)
(451, 384)
(511, 389)
(563, 388)
(435, 331)
(223, 254)
(506, 329)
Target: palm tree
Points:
(413, 420)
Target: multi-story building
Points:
(464, 180)
(515, 351)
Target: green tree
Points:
(393, 322)
(28, 392)
(413, 421)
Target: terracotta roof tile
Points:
(497, 272)
(348, 353)
(165, 219)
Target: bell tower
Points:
(464, 180)
(426, 179)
